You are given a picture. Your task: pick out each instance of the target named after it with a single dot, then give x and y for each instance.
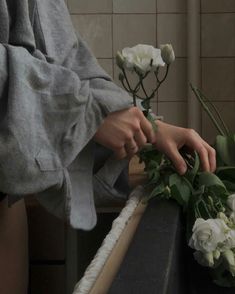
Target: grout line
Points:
(126, 13)
(112, 42)
(214, 57)
(144, 13)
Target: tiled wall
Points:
(218, 59)
(110, 25)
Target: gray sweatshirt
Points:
(53, 97)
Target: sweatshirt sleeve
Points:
(65, 46)
(53, 95)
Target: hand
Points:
(169, 139)
(125, 132)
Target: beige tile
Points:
(134, 6)
(218, 6)
(227, 110)
(171, 28)
(218, 78)
(90, 6)
(171, 6)
(130, 30)
(175, 86)
(173, 112)
(154, 107)
(218, 31)
(107, 65)
(97, 31)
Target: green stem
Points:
(142, 86)
(159, 82)
(207, 110)
(125, 76)
(206, 209)
(125, 87)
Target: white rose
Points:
(207, 234)
(231, 202)
(229, 241)
(167, 53)
(142, 57)
(204, 259)
(120, 60)
(230, 260)
(232, 217)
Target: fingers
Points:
(140, 139)
(147, 129)
(211, 156)
(131, 147)
(205, 151)
(173, 154)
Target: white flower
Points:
(207, 234)
(120, 60)
(229, 241)
(231, 202)
(204, 259)
(167, 53)
(142, 57)
(230, 260)
(232, 217)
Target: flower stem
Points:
(216, 111)
(207, 110)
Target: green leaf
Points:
(226, 173)
(230, 186)
(225, 148)
(208, 179)
(191, 173)
(158, 190)
(146, 104)
(180, 190)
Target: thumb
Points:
(173, 154)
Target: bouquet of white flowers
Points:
(208, 199)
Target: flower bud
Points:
(229, 257)
(120, 60)
(204, 259)
(222, 216)
(121, 77)
(216, 254)
(167, 53)
(231, 202)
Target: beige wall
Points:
(110, 25)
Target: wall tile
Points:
(175, 86)
(218, 6)
(96, 30)
(154, 107)
(171, 6)
(107, 65)
(218, 31)
(173, 112)
(134, 6)
(90, 6)
(130, 30)
(171, 28)
(218, 78)
(227, 110)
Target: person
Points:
(57, 107)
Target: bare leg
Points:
(13, 248)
